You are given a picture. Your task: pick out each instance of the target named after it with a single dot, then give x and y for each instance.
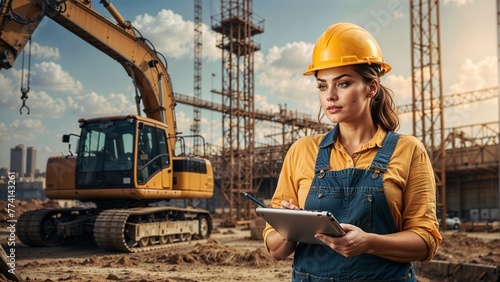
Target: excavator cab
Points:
(105, 154)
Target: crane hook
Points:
(24, 97)
(25, 90)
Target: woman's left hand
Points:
(353, 243)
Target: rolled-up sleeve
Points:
(284, 189)
(410, 188)
(419, 198)
(296, 175)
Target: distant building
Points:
(39, 174)
(25, 190)
(30, 162)
(17, 160)
(4, 172)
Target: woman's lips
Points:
(333, 109)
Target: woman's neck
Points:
(353, 137)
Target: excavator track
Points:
(39, 227)
(149, 228)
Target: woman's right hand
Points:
(289, 205)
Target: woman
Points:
(380, 185)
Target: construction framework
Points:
(237, 26)
(241, 166)
(427, 92)
(198, 48)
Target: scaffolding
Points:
(428, 109)
(237, 26)
(198, 48)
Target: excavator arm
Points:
(20, 18)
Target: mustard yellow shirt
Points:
(409, 182)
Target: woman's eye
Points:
(322, 87)
(342, 84)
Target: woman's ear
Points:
(372, 88)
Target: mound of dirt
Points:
(461, 247)
(18, 207)
(214, 253)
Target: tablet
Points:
(301, 225)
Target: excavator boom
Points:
(20, 18)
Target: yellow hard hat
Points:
(344, 44)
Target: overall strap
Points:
(381, 160)
(323, 158)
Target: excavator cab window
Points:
(162, 146)
(106, 154)
(150, 153)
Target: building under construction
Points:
(465, 159)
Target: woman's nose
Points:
(332, 95)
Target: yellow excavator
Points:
(125, 165)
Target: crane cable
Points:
(25, 90)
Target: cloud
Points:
(401, 86)
(52, 76)
(4, 132)
(295, 56)
(282, 72)
(43, 104)
(74, 106)
(458, 2)
(48, 150)
(174, 36)
(6, 90)
(471, 76)
(33, 125)
(476, 75)
(21, 130)
(44, 52)
(39, 103)
(93, 104)
(263, 105)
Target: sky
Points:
(71, 79)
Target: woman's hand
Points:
(289, 205)
(279, 248)
(353, 243)
(403, 246)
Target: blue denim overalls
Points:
(354, 196)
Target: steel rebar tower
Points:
(237, 25)
(198, 44)
(428, 109)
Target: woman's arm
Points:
(404, 246)
(279, 248)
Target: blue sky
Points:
(71, 79)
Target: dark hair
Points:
(383, 108)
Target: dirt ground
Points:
(229, 255)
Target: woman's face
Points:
(343, 95)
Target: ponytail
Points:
(383, 108)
